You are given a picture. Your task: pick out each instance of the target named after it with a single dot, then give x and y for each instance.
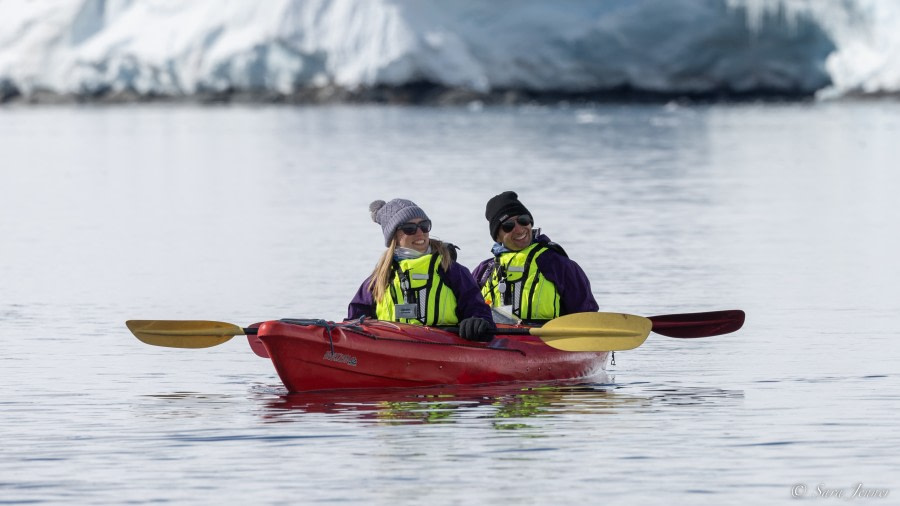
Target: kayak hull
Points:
(381, 354)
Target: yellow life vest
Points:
(516, 281)
(417, 294)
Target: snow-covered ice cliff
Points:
(327, 49)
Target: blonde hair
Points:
(381, 276)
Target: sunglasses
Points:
(410, 228)
(510, 224)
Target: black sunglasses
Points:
(410, 228)
(510, 224)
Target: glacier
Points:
(327, 50)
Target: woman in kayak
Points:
(529, 275)
(417, 279)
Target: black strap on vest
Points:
(528, 262)
(423, 301)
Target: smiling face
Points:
(417, 241)
(516, 239)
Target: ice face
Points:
(173, 48)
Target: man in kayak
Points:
(417, 280)
(529, 275)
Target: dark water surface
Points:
(247, 214)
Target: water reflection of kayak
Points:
(504, 405)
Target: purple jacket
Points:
(469, 301)
(574, 288)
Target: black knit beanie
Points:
(500, 208)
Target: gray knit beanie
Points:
(392, 214)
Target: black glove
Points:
(475, 329)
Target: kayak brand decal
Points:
(340, 357)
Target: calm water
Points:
(246, 214)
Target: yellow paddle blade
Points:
(595, 332)
(183, 333)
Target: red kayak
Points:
(317, 355)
